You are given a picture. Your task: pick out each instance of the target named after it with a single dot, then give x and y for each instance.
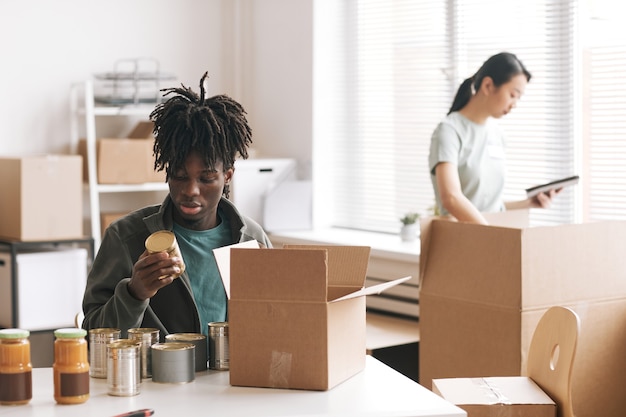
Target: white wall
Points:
(277, 77)
(258, 51)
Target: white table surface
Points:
(377, 391)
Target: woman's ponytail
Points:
(500, 68)
(463, 95)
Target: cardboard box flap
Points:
(457, 249)
(347, 265)
(222, 258)
(278, 274)
(374, 289)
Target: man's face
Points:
(196, 191)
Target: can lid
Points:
(14, 334)
(218, 324)
(184, 336)
(169, 346)
(70, 333)
(140, 330)
(163, 240)
(124, 343)
(105, 330)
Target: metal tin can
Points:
(219, 357)
(199, 341)
(148, 337)
(164, 240)
(123, 367)
(173, 362)
(98, 339)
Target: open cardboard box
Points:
(485, 288)
(496, 396)
(296, 314)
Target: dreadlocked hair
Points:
(215, 127)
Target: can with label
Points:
(148, 337)
(219, 358)
(98, 340)
(123, 367)
(199, 341)
(173, 362)
(164, 240)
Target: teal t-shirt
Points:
(196, 248)
(478, 151)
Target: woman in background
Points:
(467, 155)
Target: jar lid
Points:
(14, 334)
(163, 240)
(70, 333)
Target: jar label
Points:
(74, 385)
(16, 387)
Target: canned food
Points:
(164, 240)
(173, 362)
(199, 341)
(123, 367)
(219, 357)
(148, 337)
(98, 340)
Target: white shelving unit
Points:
(83, 106)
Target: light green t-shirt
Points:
(478, 151)
(196, 247)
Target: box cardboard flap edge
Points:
(345, 268)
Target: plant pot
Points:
(409, 232)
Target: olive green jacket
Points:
(107, 302)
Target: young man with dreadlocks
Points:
(196, 142)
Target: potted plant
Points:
(410, 227)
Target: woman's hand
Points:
(152, 272)
(543, 200)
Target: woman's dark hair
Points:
(500, 68)
(215, 127)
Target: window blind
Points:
(385, 75)
(604, 112)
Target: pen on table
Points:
(137, 413)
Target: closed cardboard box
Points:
(41, 197)
(123, 161)
(485, 288)
(297, 315)
(496, 396)
(49, 290)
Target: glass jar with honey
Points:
(71, 366)
(15, 367)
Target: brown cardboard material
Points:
(123, 161)
(41, 197)
(485, 288)
(107, 218)
(142, 130)
(496, 396)
(297, 315)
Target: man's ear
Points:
(228, 175)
